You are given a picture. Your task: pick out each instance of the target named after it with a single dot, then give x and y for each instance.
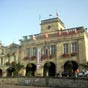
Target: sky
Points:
(23, 17)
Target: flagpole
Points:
(56, 13)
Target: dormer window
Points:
(2, 51)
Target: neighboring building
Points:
(52, 51)
(8, 54)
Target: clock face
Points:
(49, 27)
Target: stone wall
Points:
(50, 82)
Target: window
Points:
(46, 50)
(27, 51)
(8, 59)
(50, 50)
(65, 48)
(53, 49)
(1, 61)
(34, 51)
(2, 51)
(14, 58)
(74, 47)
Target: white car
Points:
(80, 74)
(86, 74)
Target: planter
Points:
(26, 58)
(44, 57)
(51, 56)
(73, 54)
(65, 55)
(13, 63)
(33, 57)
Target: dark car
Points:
(66, 74)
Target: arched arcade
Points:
(49, 69)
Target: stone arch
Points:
(70, 66)
(10, 71)
(49, 69)
(30, 69)
(0, 72)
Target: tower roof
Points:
(51, 20)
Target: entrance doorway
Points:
(30, 69)
(49, 69)
(70, 66)
(10, 71)
(0, 72)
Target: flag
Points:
(38, 58)
(67, 32)
(34, 37)
(59, 33)
(56, 13)
(46, 35)
(50, 14)
(75, 30)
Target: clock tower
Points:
(51, 25)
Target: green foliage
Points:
(17, 67)
(84, 65)
(69, 67)
(8, 55)
(29, 74)
(30, 65)
(7, 64)
(48, 64)
(13, 63)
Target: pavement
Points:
(18, 86)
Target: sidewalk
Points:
(17, 86)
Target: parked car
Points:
(86, 74)
(80, 74)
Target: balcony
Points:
(44, 57)
(73, 54)
(51, 56)
(65, 55)
(33, 57)
(26, 58)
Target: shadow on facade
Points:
(30, 69)
(0, 72)
(49, 69)
(70, 66)
(10, 72)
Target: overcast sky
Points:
(22, 17)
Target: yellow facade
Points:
(57, 48)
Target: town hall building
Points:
(54, 50)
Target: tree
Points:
(16, 66)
